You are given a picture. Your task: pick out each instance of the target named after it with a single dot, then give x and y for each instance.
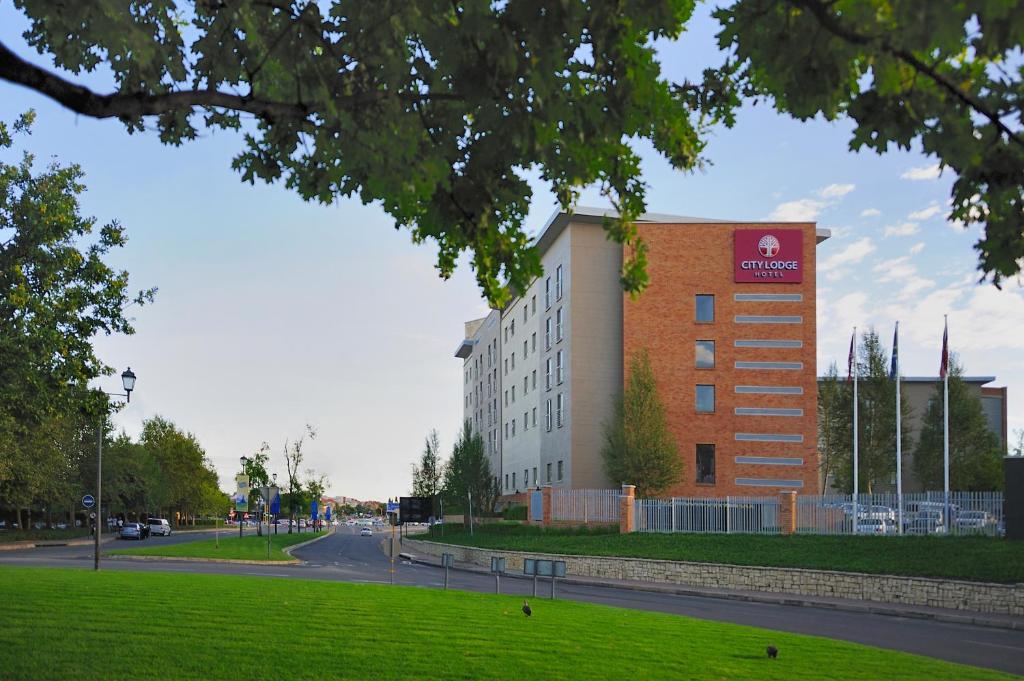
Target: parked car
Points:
(159, 526)
(132, 531)
(366, 532)
(870, 525)
(975, 521)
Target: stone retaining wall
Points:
(1007, 599)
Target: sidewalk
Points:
(888, 609)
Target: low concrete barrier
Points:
(1006, 599)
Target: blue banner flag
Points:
(894, 368)
(328, 513)
(275, 505)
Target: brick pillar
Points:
(787, 512)
(626, 508)
(545, 504)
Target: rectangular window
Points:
(536, 480)
(534, 424)
(533, 380)
(514, 482)
(524, 313)
(533, 305)
(559, 367)
(547, 374)
(706, 399)
(506, 398)
(547, 333)
(705, 308)
(547, 472)
(513, 361)
(512, 328)
(513, 427)
(526, 420)
(547, 293)
(526, 383)
(526, 477)
(513, 393)
(561, 470)
(704, 351)
(547, 415)
(558, 283)
(526, 346)
(559, 408)
(558, 325)
(506, 480)
(705, 464)
(506, 430)
(506, 366)
(533, 342)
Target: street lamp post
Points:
(272, 502)
(128, 382)
(242, 460)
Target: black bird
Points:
(773, 652)
(526, 609)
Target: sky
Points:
(273, 313)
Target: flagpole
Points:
(899, 431)
(856, 467)
(945, 425)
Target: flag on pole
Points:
(849, 360)
(944, 366)
(894, 367)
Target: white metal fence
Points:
(921, 513)
(585, 505)
(750, 515)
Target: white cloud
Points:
(801, 210)
(925, 213)
(836, 191)
(902, 271)
(902, 229)
(917, 248)
(853, 253)
(931, 172)
(870, 213)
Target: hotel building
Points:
(728, 322)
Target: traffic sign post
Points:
(88, 501)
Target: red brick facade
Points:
(685, 260)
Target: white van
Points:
(159, 526)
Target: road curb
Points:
(192, 559)
(845, 606)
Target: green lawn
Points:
(982, 559)
(249, 547)
(77, 624)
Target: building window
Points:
(514, 482)
(526, 478)
(526, 420)
(705, 399)
(533, 305)
(561, 470)
(506, 398)
(559, 408)
(536, 480)
(705, 464)
(506, 366)
(506, 480)
(704, 352)
(547, 415)
(558, 283)
(506, 430)
(559, 367)
(533, 342)
(547, 333)
(526, 383)
(547, 374)
(525, 348)
(547, 472)
(512, 328)
(558, 325)
(524, 313)
(513, 361)
(547, 293)
(513, 427)
(533, 379)
(705, 308)
(534, 424)
(513, 394)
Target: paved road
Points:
(346, 556)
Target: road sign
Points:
(392, 507)
(88, 501)
(313, 510)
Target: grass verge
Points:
(247, 548)
(978, 559)
(142, 623)
(8, 536)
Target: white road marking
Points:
(995, 645)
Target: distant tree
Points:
(428, 476)
(1018, 442)
(975, 452)
(293, 457)
(835, 413)
(638, 447)
(469, 473)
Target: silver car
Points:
(159, 526)
(131, 531)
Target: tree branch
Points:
(829, 22)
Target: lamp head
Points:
(128, 381)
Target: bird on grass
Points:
(526, 609)
(773, 652)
